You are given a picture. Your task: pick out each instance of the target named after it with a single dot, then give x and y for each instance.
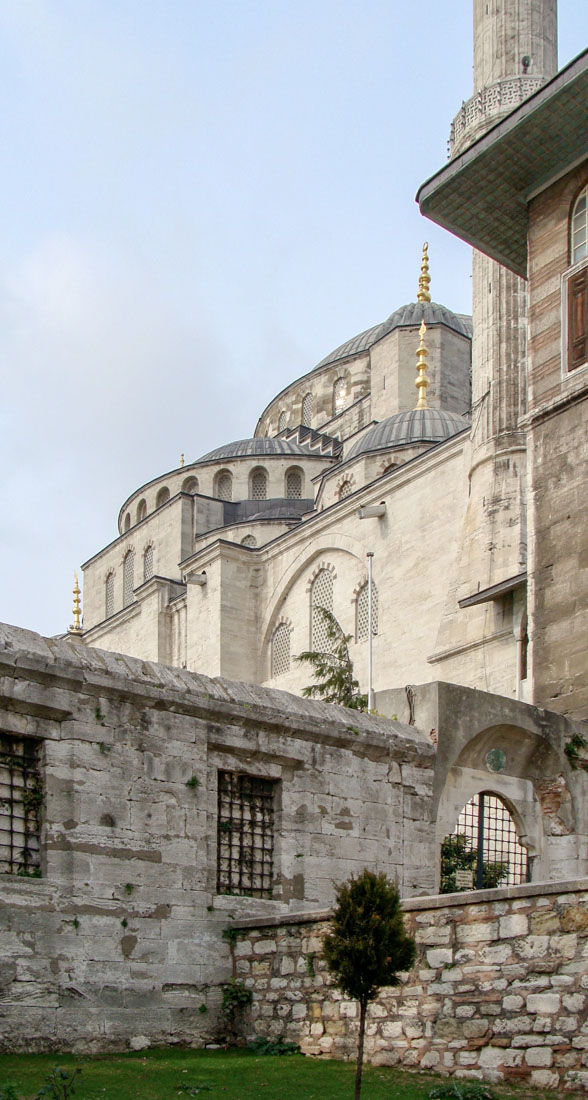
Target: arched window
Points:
(162, 496)
(249, 540)
(224, 485)
(127, 521)
(339, 396)
(258, 484)
(190, 485)
(128, 577)
(484, 825)
(141, 510)
(362, 612)
(294, 484)
(109, 595)
(321, 596)
(307, 411)
(281, 650)
(282, 421)
(345, 490)
(579, 228)
(148, 563)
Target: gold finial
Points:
(424, 277)
(422, 381)
(181, 459)
(77, 610)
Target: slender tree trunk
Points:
(359, 1069)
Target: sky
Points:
(201, 199)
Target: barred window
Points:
(321, 596)
(345, 490)
(339, 396)
(486, 828)
(21, 802)
(307, 411)
(258, 484)
(294, 484)
(141, 510)
(109, 595)
(281, 650)
(224, 485)
(282, 421)
(245, 835)
(128, 577)
(362, 612)
(162, 497)
(579, 228)
(249, 540)
(148, 563)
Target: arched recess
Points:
(258, 483)
(141, 510)
(127, 524)
(223, 485)
(162, 496)
(294, 483)
(190, 485)
(579, 227)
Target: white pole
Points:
(371, 699)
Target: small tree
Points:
(368, 944)
(333, 668)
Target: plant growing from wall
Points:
(333, 668)
(368, 945)
(575, 752)
(236, 997)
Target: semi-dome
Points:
(248, 448)
(405, 317)
(406, 428)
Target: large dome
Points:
(405, 428)
(405, 317)
(248, 448)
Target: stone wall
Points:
(499, 989)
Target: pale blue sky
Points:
(201, 199)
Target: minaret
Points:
(515, 52)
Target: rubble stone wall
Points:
(499, 990)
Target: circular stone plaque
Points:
(495, 760)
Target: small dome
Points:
(405, 317)
(249, 448)
(405, 428)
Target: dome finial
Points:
(76, 627)
(422, 381)
(424, 277)
(181, 459)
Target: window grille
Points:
(362, 612)
(282, 421)
(109, 595)
(486, 845)
(580, 228)
(345, 490)
(21, 799)
(249, 540)
(224, 486)
(281, 650)
(307, 411)
(339, 396)
(258, 485)
(148, 563)
(294, 485)
(321, 596)
(128, 577)
(245, 836)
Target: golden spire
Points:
(77, 610)
(181, 459)
(424, 277)
(422, 381)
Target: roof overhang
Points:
(482, 195)
(485, 595)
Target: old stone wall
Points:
(499, 989)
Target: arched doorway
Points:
(484, 849)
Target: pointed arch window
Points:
(282, 421)
(148, 563)
(294, 484)
(249, 540)
(307, 410)
(258, 484)
(321, 596)
(579, 228)
(339, 396)
(109, 595)
(362, 612)
(281, 650)
(345, 490)
(128, 577)
(224, 485)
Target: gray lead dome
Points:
(248, 448)
(402, 429)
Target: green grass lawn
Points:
(231, 1075)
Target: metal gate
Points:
(484, 849)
